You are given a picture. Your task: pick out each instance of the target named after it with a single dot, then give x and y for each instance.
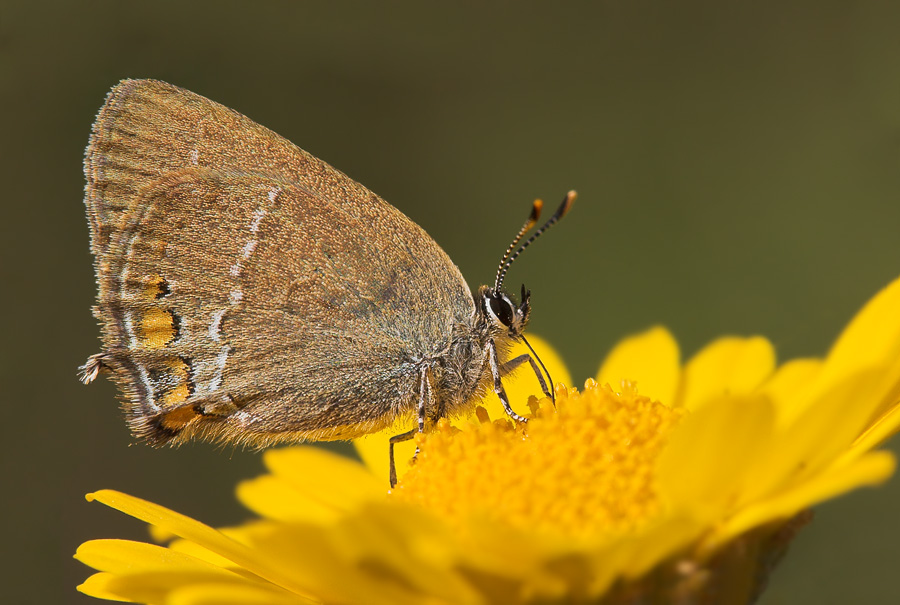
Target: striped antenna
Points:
(508, 258)
(531, 222)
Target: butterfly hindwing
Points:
(248, 291)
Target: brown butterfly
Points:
(251, 293)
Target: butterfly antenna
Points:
(508, 258)
(531, 222)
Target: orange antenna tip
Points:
(567, 203)
(535, 213)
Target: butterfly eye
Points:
(501, 308)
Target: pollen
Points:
(583, 468)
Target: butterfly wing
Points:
(248, 291)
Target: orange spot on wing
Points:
(179, 370)
(177, 395)
(178, 418)
(157, 328)
(155, 287)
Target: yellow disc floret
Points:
(583, 468)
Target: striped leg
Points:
(515, 362)
(424, 400)
(498, 384)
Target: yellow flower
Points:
(657, 483)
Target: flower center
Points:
(582, 469)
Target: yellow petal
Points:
(819, 435)
(518, 565)
(308, 484)
(519, 385)
(395, 536)
(253, 560)
(217, 594)
(305, 559)
(709, 455)
(122, 556)
(246, 533)
(872, 336)
(500, 551)
(886, 426)
(148, 573)
(158, 586)
(871, 469)
(204, 554)
(872, 339)
(334, 478)
(349, 562)
(651, 360)
(274, 498)
(789, 387)
(101, 586)
(513, 565)
(727, 366)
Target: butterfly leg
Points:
(498, 384)
(515, 362)
(424, 400)
(397, 439)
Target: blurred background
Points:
(738, 169)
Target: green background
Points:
(738, 168)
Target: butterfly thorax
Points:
(463, 375)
